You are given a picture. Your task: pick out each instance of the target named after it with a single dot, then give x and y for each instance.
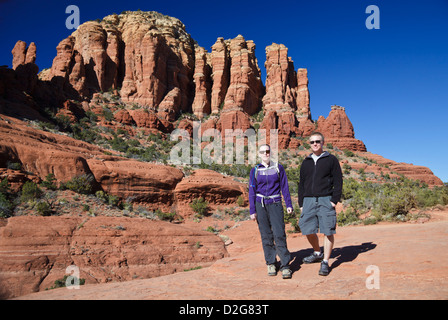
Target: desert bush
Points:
(293, 175)
(199, 206)
(61, 283)
(14, 165)
(30, 192)
(292, 219)
(82, 184)
(107, 198)
(165, 216)
(43, 208)
(388, 201)
(6, 206)
(49, 182)
(4, 186)
(240, 201)
(347, 217)
(348, 153)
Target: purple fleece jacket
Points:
(268, 183)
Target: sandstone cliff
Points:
(104, 249)
(154, 63)
(158, 73)
(160, 80)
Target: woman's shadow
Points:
(344, 254)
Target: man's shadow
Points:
(344, 254)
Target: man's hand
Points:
(253, 216)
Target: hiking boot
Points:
(271, 270)
(286, 273)
(313, 258)
(324, 269)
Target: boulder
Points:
(36, 251)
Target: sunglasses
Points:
(265, 151)
(315, 141)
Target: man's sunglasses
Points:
(315, 141)
(265, 151)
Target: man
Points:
(320, 189)
(266, 184)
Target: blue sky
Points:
(392, 81)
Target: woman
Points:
(266, 184)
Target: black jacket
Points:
(321, 179)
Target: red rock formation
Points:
(23, 55)
(211, 186)
(124, 117)
(201, 104)
(42, 153)
(281, 80)
(151, 56)
(145, 53)
(245, 89)
(140, 182)
(232, 120)
(36, 251)
(23, 63)
(220, 62)
(338, 130)
(170, 105)
(287, 100)
(410, 171)
(303, 95)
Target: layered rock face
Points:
(211, 186)
(246, 89)
(156, 66)
(153, 185)
(103, 249)
(338, 130)
(220, 62)
(146, 54)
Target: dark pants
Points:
(272, 231)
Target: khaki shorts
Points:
(317, 215)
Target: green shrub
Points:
(14, 165)
(49, 182)
(170, 216)
(30, 191)
(347, 217)
(61, 283)
(43, 208)
(346, 168)
(107, 198)
(292, 219)
(4, 186)
(348, 153)
(240, 201)
(6, 206)
(199, 206)
(388, 201)
(82, 184)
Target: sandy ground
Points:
(383, 261)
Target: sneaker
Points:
(271, 270)
(286, 273)
(313, 258)
(324, 269)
